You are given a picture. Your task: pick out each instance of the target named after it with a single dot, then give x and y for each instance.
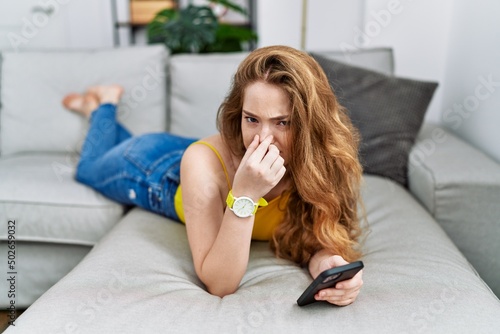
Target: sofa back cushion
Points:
(34, 83)
(376, 59)
(198, 85)
(388, 112)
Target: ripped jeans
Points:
(139, 170)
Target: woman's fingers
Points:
(261, 150)
(264, 159)
(250, 149)
(260, 170)
(351, 284)
(338, 297)
(345, 292)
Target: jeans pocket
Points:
(173, 170)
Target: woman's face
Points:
(266, 111)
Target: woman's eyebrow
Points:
(276, 118)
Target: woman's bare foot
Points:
(107, 94)
(82, 104)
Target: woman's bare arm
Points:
(219, 240)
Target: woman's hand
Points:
(260, 170)
(345, 292)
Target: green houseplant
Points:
(196, 29)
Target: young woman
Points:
(283, 168)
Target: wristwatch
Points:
(243, 206)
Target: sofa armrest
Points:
(460, 186)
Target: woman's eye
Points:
(251, 120)
(283, 123)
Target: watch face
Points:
(243, 207)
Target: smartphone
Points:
(328, 279)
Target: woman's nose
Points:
(264, 133)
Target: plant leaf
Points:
(231, 5)
(230, 38)
(190, 29)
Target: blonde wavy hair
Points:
(321, 212)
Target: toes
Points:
(83, 104)
(72, 101)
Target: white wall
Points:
(35, 24)
(332, 22)
(329, 22)
(471, 106)
(90, 24)
(278, 22)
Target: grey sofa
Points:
(84, 264)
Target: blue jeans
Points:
(139, 170)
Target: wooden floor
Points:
(4, 319)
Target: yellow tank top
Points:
(266, 217)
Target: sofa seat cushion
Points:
(140, 278)
(40, 193)
(38, 267)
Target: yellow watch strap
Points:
(262, 202)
